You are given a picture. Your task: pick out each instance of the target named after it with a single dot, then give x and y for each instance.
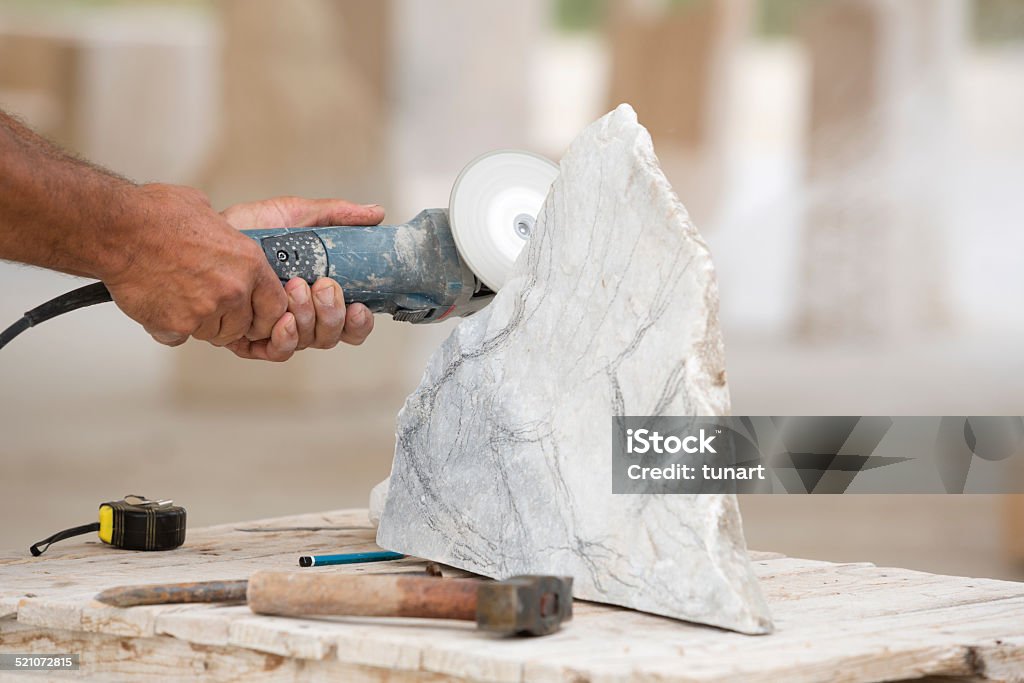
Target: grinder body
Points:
(411, 271)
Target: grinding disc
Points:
(493, 207)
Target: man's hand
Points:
(317, 316)
(194, 275)
(191, 274)
(170, 261)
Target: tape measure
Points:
(132, 523)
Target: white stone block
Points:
(503, 456)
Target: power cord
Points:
(96, 293)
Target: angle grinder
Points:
(443, 263)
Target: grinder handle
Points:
(300, 594)
(411, 271)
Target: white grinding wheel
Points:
(493, 207)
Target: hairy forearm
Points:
(59, 212)
(169, 260)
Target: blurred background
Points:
(857, 167)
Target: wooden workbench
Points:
(850, 622)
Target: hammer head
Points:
(525, 605)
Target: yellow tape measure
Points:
(132, 523)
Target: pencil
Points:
(348, 558)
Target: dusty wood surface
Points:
(848, 622)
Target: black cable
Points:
(96, 293)
(14, 330)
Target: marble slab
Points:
(503, 455)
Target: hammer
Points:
(522, 605)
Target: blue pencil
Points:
(348, 558)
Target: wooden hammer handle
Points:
(300, 594)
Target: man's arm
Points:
(56, 210)
(170, 261)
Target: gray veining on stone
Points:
(503, 455)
